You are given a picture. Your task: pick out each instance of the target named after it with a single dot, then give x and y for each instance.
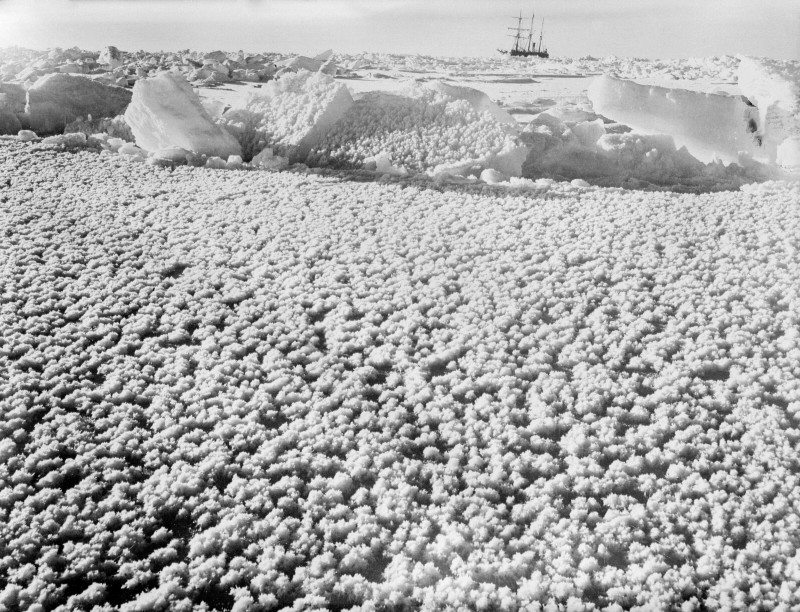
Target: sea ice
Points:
(425, 130)
(476, 99)
(110, 58)
(586, 150)
(58, 99)
(710, 126)
(291, 114)
(165, 112)
(774, 87)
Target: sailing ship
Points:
(522, 48)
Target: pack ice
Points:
(711, 126)
(291, 115)
(774, 87)
(165, 113)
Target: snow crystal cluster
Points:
(435, 128)
(277, 391)
(291, 115)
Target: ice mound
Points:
(425, 130)
(165, 112)
(587, 150)
(710, 126)
(110, 58)
(476, 99)
(12, 106)
(291, 115)
(774, 87)
(57, 99)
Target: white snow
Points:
(436, 129)
(164, 112)
(270, 388)
(436, 368)
(291, 115)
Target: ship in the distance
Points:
(524, 45)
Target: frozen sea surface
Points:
(254, 390)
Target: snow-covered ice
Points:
(58, 99)
(435, 368)
(164, 112)
(291, 115)
(285, 391)
(437, 129)
(774, 87)
(711, 126)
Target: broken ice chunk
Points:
(165, 112)
(774, 87)
(58, 99)
(710, 126)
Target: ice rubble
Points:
(165, 112)
(446, 130)
(710, 126)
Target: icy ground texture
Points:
(424, 129)
(266, 389)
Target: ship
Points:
(523, 48)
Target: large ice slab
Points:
(607, 155)
(774, 87)
(710, 126)
(165, 112)
(291, 115)
(58, 99)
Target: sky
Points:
(572, 28)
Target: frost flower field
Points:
(282, 391)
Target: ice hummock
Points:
(435, 128)
(58, 99)
(290, 115)
(711, 126)
(774, 87)
(165, 112)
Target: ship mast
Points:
(517, 32)
(530, 35)
(541, 33)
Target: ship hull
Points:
(514, 53)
